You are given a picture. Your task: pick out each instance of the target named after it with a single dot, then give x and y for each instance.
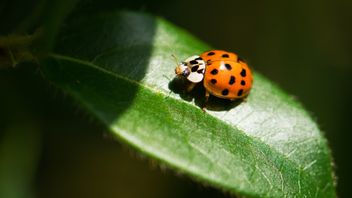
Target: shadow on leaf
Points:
(94, 56)
(178, 86)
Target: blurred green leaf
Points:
(53, 16)
(118, 67)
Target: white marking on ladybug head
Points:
(195, 77)
(192, 68)
(196, 67)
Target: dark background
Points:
(303, 46)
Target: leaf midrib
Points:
(252, 138)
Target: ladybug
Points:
(224, 74)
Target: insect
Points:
(222, 73)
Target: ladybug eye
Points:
(185, 72)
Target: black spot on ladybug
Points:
(199, 58)
(243, 82)
(228, 66)
(225, 56)
(243, 73)
(240, 92)
(200, 71)
(194, 68)
(193, 62)
(211, 53)
(232, 80)
(225, 92)
(213, 81)
(214, 71)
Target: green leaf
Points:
(119, 67)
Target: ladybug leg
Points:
(190, 87)
(207, 94)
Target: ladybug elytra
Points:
(223, 73)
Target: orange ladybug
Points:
(223, 73)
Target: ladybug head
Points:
(192, 69)
(182, 70)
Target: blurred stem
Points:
(49, 15)
(19, 152)
(16, 49)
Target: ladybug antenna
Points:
(175, 59)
